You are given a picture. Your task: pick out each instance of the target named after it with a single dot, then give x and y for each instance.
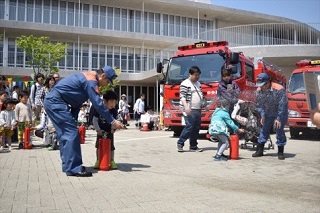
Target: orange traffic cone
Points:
(145, 127)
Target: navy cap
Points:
(262, 78)
(111, 74)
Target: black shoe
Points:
(281, 156)
(219, 158)
(225, 156)
(195, 149)
(259, 151)
(280, 153)
(83, 173)
(20, 145)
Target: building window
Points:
(124, 20)
(130, 59)
(86, 15)
(131, 20)
(171, 25)
(116, 19)
(11, 52)
(103, 17)
(77, 15)
(38, 11)
(137, 59)
(95, 16)
(151, 23)
(110, 18)
(116, 56)
(20, 57)
(177, 26)
(95, 56)
(46, 11)
(189, 35)
(102, 56)
(151, 59)
(21, 10)
(145, 22)
(157, 23)
(12, 9)
(63, 12)
(165, 25)
(70, 14)
(1, 53)
(124, 59)
(85, 57)
(110, 55)
(2, 9)
(54, 12)
(195, 28)
(70, 56)
(137, 21)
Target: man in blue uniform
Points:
(62, 105)
(272, 104)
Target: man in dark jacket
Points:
(228, 89)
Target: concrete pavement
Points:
(154, 177)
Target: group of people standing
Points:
(20, 109)
(272, 104)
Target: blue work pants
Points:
(67, 132)
(266, 128)
(191, 130)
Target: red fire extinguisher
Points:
(234, 147)
(26, 138)
(82, 133)
(104, 153)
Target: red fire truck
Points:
(210, 57)
(299, 115)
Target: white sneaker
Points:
(9, 148)
(1, 148)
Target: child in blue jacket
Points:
(219, 128)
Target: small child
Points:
(48, 131)
(101, 126)
(7, 121)
(23, 113)
(82, 114)
(218, 128)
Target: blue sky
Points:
(307, 11)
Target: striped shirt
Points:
(188, 92)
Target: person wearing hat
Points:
(124, 109)
(62, 105)
(272, 104)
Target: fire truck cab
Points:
(299, 115)
(210, 57)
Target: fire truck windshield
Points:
(296, 84)
(209, 64)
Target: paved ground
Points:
(154, 177)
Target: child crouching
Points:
(218, 128)
(110, 101)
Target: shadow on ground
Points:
(131, 167)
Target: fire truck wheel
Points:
(294, 133)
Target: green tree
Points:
(42, 55)
(115, 82)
